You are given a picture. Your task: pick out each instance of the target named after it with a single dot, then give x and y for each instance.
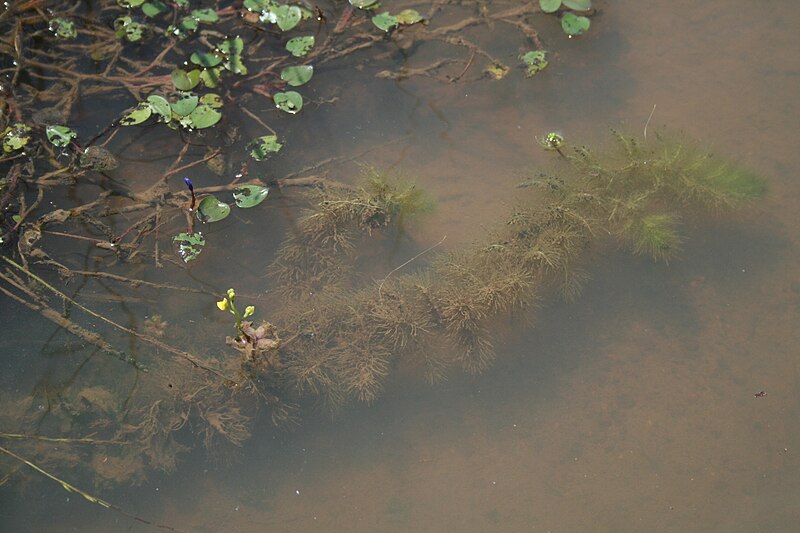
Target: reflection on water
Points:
(633, 408)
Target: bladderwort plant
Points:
(228, 304)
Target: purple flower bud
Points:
(188, 184)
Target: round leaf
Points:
(160, 107)
(364, 4)
(59, 136)
(212, 210)
(385, 21)
(205, 59)
(152, 9)
(263, 147)
(535, 60)
(205, 15)
(137, 115)
(185, 105)
(549, 6)
(578, 5)
(250, 195)
(297, 75)
(300, 46)
(572, 24)
(204, 116)
(185, 81)
(287, 17)
(189, 245)
(290, 101)
(16, 137)
(211, 100)
(409, 16)
(232, 48)
(63, 28)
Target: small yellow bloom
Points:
(249, 310)
(223, 304)
(231, 294)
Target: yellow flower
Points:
(231, 294)
(223, 304)
(249, 310)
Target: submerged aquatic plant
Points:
(446, 315)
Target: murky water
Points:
(630, 409)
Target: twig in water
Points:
(648, 121)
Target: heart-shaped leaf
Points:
(160, 107)
(364, 4)
(409, 16)
(297, 75)
(205, 59)
(578, 5)
(385, 21)
(185, 81)
(535, 60)
(300, 46)
(204, 116)
(573, 25)
(250, 195)
(137, 115)
(210, 209)
(549, 6)
(290, 101)
(189, 245)
(287, 17)
(185, 105)
(59, 136)
(263, 147)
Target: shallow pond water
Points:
(633, 408)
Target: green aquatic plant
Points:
(228, 304)
(350, 334)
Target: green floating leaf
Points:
(211, 76)
(189, 245)
(578, 5)
(250, 195)
(290, 101)
(63, 28)
(212, 210)
(232, 48)
(153, 9)
(300, 46)
(16, 137)
(185, 81)
(549, 6)
(204, 15)
(257, 6)
(185, 104)
(385, 21)
(287, 17)
(263, 147)
(297, 75)
(409, 16)
(59, 136)
(130, 3)
(365, 4)
(573, 24)
(535, 60)
(129, 28)
(205, 59)
(211, 100)
(137, 115)
(204, 116)
(160, 107)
